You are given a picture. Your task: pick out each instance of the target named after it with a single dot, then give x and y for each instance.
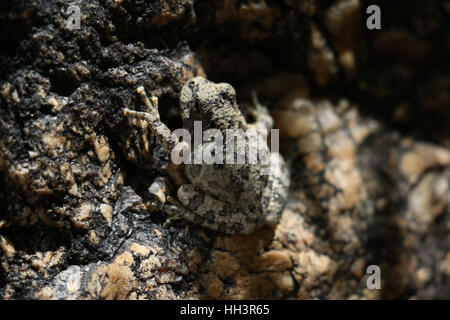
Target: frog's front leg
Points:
(263, 119)
(202, 209)
(151, 116)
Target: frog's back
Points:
(236, 183)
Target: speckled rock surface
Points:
(363, 122)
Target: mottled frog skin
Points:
(229, 198)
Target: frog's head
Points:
(212, 103)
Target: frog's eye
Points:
(228, 92)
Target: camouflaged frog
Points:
(229, 198)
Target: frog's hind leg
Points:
(274, 197)
(202, 209)
(176, 212)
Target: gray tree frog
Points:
(230, 198)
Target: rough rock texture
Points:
(364, 127)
